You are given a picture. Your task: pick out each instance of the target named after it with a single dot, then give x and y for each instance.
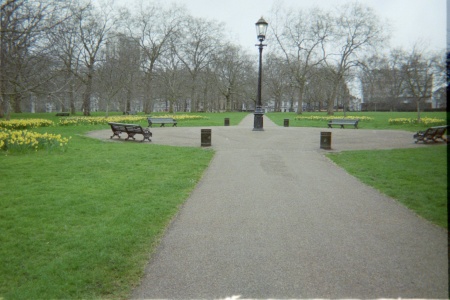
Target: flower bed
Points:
(99, 120)
(183, 117)
(119, 119)
(423, 121)
(328, 118)
(24, 141)
(25, 123)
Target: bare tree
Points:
(94, 26)
(301, 37)
(23, 49)
(154, 26)
(173, 76)
(357, 29)
(277, 79)
(382, 79)
(231, 69)
(65, 46)
(199, 40)
(119, 61)
(419, 71)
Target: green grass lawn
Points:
(415, 177)
(212, 119)
(81, 224)
(381, 119)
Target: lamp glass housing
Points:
(261, 29)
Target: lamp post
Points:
(261, 28)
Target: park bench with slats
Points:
(161, 121)
(131, 130)
(343, 122)
(432, 134)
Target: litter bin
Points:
(286, 122)
(206, 137)
(325, 140)
(227, 122)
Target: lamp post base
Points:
(258, 121)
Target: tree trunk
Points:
(2, 104)
(147, 103)
(301, 89)
(193, 100)
(418, 110)
(72, 99)
(87, 97)
(17, 100)
(128, 105)
(228, 103)
(330, 101)
(171, 106)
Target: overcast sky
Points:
(411, 20)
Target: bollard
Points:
(206, 137)
(286, 122)
(227, 122)
(325, 140)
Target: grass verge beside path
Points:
(415, 177)
(80, 224)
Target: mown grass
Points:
(80, 224)
(415, 177)
(380, 119)
(211, 119)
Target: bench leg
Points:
(147, 134)
(130, 135)
(116, 133)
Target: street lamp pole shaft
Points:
(259, 104)
(258, 119)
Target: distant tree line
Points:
(63, 55)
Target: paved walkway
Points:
(272, 217)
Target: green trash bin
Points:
(325, 140)
(206, 137)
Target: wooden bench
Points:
(132, 112)
(62, 114)
(343, 122)
(161, 121)
(431, 134)
(131, 130)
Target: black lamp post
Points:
(261, 28)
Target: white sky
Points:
(412, 20)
